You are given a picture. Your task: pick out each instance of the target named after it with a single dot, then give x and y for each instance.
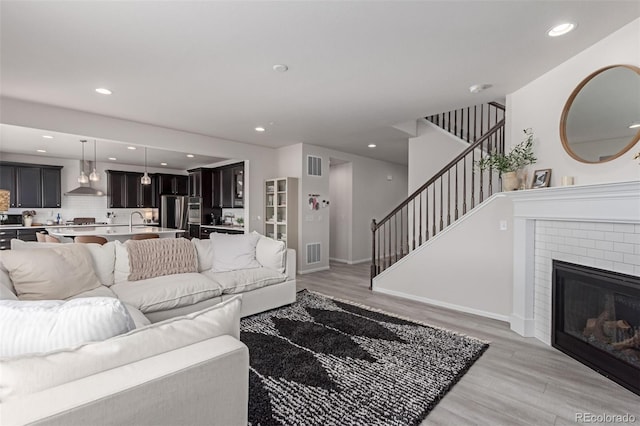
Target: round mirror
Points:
(601, 119)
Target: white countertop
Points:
(73, 226)
(111, 231)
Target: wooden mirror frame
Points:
(567, 107)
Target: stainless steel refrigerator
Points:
(173, 212)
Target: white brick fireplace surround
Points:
(592, 225)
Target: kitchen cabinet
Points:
(31, 185)
(194, 231)
(8, 182)
(195, 183)
(230, 186)
(6, 235)
(51, 190)
(205, 232)
(173, 184)
(125, 190)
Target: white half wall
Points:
(539, 105)
(467, 267)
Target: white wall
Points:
(539, 105)
(261, 162)
(340, 210)
(467, 267)
(373, 197)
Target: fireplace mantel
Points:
(606, 202)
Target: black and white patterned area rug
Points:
(321, 361)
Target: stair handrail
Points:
(494, 132)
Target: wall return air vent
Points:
(314, 165)
(313, 253)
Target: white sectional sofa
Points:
(183, 362)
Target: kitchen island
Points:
(112, 233)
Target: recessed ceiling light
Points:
(634, 125)
(103, 91)
(372, 145)
(280, 68)
(163, 164)
(112, 158)
(190, 155)
(260, 129)
(477, 88)
(133, 148)
(41, 150)
(47, 136)
(561, 29)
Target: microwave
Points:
(194, 209)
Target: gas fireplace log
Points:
(595, 327)
(610, 327)
(631, 343)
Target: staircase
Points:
(452, 192)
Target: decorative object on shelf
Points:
(27, 217)
(5, 197)
(542, 178)
(508, 165)
(145, 180)
(240, 221)
(94, 176)
(567, 180)
(83, 178)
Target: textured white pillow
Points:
(28, 374)
(121, 265)
(271, 254)
(102, 256)
(51, 273)
(232, 252)
(28, 327)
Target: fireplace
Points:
(596, 320)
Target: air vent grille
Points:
(313, 253)
(314, 166)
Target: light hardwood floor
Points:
(517, 381)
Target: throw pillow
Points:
(160, 257)
(51, 273)
(102, 256)
(205, 254)
(232, 252)
(271, 254)
(24, 375)
(28, 327)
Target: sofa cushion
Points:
(167, 292)
(271, 254)
(52, 273)
(204, 250)
(233, 252)
(102, 256)
(28, 374)
(103, 291)
(245, 279)
(45, 325)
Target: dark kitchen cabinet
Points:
(125, 190)
(194, 231)
(216, 195)
(51, 190)
(195, 183)
(8, 182)
(231, 186)
(29, 187)
(173, 184)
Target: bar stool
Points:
(144, 236)
(90, 239)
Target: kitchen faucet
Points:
(131, 218)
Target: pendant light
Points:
(94, 176)
(145, 180)
(83, 177)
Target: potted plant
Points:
(509, 164)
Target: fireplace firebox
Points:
(596, 320)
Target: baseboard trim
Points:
(460, 308)
(523, 326)
(308, 271)
(349, 262)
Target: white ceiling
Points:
(355, 68)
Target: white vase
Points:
(28, 220)
(510, 181)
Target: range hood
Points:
(85, 190)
